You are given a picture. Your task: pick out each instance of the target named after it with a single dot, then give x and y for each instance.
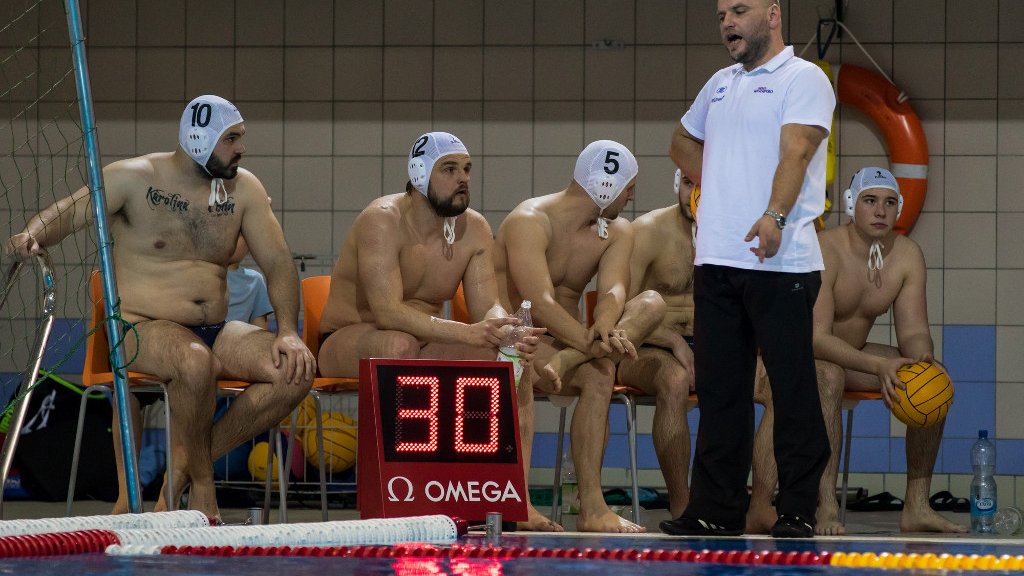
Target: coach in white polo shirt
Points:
(755, 141)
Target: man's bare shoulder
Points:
(659, 220)
(908, 253)
(833, 237)
(382, 210)
(145, 166)
(529, 213)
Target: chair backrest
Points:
(460, 311)
(97, 351)
(314, 296)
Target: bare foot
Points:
(121, 506)
(551, 372)
(537, 522)
(606, 521)
(181, 483)
(922, 518)
(827, 520)
(203, 497)
(760, 518)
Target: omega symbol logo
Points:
(392, 497)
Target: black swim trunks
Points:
(324, 337)
(208, 333)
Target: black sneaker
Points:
(684, 526)
(792, 526)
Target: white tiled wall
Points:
(334, 92)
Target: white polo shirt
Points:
(739, 115)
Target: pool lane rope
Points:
(95, 537)
(896, 560)
(191, 533)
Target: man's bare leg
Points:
(340, 353)
(534, 519)
(121, 505)
(831, 382)
(917, 515)
(761, 515)
(922, 449)
(593, 382)
(658, 373)
(171, 351)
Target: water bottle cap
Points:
(982, 433)
(527, 304)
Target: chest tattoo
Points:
(223, 208)
(157, 198)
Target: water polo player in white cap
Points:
(662, 260)
(404, 257)
(855, 290)
(548, 250)
(176, 227)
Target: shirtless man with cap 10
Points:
(175, 218)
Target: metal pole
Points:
(30, 376)
(99, 206)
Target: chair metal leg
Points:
(846, 462)
(556, 485)
(288, 455)
(169, 499)
(320, 455)
(268, 485)
(630, 407)
(283, 470)
(76, 453)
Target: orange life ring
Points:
(908, 148)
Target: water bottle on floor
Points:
(983, 485)
(507, 351)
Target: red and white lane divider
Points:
(429, 529)
(179, 519)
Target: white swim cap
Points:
(603, 170)
(203, 122)
(427, 150)
(871, 177)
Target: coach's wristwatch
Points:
(780, 220)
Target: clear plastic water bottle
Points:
(507, 348)
(570, 486)
(983, 485)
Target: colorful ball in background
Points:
(258, 462)
(339, 442)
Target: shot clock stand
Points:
(439, 437)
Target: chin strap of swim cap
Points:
(875, 262)
(218, 193)
(602, 227)
(449, 230)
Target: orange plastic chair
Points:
(97, 374)
(315, 290)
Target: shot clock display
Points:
(439, 437)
